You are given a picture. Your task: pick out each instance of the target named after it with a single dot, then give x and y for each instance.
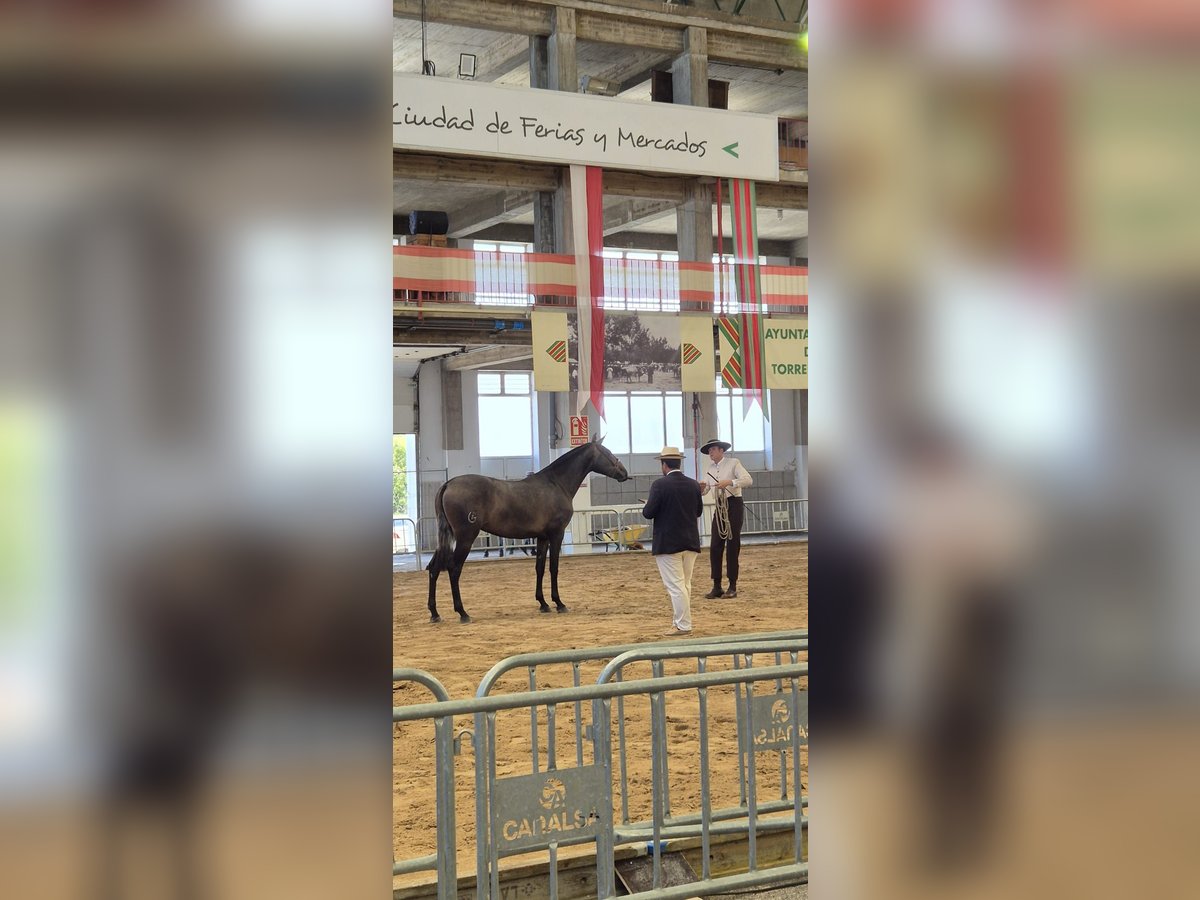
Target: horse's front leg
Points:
(542, 544)
(555, 548)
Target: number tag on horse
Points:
(534, 811)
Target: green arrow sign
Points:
(732, 150)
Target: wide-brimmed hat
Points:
(708, 445)
(670, 453)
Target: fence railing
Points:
(444, 860)
(620, 528)
(439, 276)
(405, 538)
(509, 809)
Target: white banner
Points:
(455, 116)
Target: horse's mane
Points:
(563, 461)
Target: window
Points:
(745, 431)
(505, 414)
(642, 421)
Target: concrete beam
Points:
(632, 213)
(630, 240)
(488, 212)
(488, 356)
(437, 167)
(732, 39)
(408, 330)
(506, 54)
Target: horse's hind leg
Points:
(461, 550)
(542, 545)
(434, 571)
(555, 549)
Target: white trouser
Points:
(676, 572)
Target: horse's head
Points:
(604, 462)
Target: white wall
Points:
(404, 395)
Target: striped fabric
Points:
(452, 271)
(749, 347)
(587, 226)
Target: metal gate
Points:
(551, 807)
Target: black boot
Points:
(714, 593)
(731, 593)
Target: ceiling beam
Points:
(731, 38)
(782, 194)
(404, 331)
(506, 54)
(489, 356)
(629, 214)
(500, 173)
(488, 212)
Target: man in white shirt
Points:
(727, 476)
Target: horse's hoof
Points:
(561, 609)
(464, 619)
(544, 609)
(433, 620)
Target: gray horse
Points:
(539, 505)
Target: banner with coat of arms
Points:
(550, 370)
(696, 353)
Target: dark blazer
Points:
(675, 505)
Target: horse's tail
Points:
(444, 553)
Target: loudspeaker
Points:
(422, 221)
(662, 87)
(718, 94)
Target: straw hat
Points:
(670, 453)
(708, 445)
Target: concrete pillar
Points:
(689, 71)
(562, 71)
(693, 218)
(543, 201)
(800, 413)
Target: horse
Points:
(538, 505)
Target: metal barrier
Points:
(444, 861)
(747, 768)
(543, 812)
(587, 528)
(775, 516)
(403, 548)
(491, 845)
(762, 517)
(612, 527)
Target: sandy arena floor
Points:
(614, 598)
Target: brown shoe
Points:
(714, 594)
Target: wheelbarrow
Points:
(625, 536)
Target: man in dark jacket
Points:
(675, 505)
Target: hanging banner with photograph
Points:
(641, 350)
(696, 353)
(786, 353)
(550, 369)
